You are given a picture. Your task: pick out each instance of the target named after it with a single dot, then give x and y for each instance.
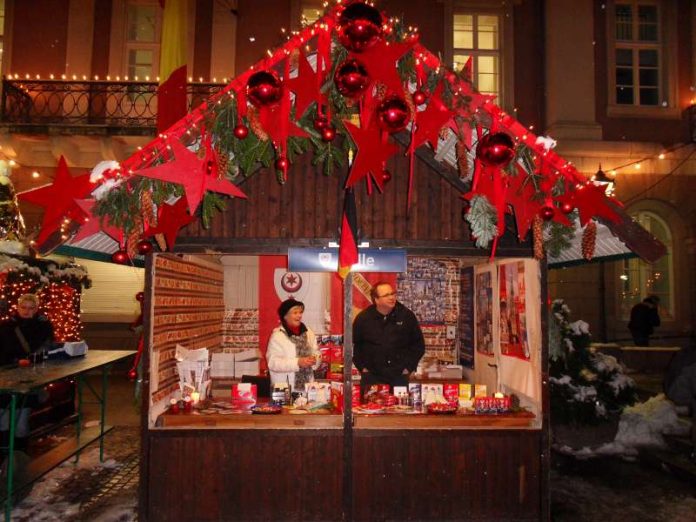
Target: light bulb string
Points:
(647, 158)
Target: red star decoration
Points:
(430, 121)
(304, 86)
(171, 218)
(591, 201)
(58, 198)
(278, 125)
(371, 154)
(92, 224)
(520, 196)
(380, 62)
(212, 180)
(188, 170)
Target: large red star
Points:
(170, 220)
(591, 201)
(188, 170)
(430, 121)
(212, 180)
(380, 62)
(371, 154)
(93, 224)
(520, 196)
(279, 125)
(58, 198)
(304, 86)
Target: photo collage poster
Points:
(513, 322)
(484, 313)
(466, 318)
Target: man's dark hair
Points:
(373, 291)
(652, 299)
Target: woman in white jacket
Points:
(292, 352)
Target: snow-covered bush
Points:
(586, 387)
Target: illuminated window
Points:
(640, 279)
(637, 53)
(477, 37)
(311, 11)
(143, 22)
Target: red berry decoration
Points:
(282, 163)
(547, 212)
(386, 176)
(143, 247)
(140, 297)
(419, 97)
(264, 88)
(496, 150)
(320, 123)
(132, 374)
(328, 134)
(567, 207)
(359, 27)
(241, 131)
(351, 78)
(120, 257)
(393, 113)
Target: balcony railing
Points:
(120, 107)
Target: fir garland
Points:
(483, 221)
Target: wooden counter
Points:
(444, 422)
(246, 421)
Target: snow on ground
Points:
(639, 426)
(60, 494)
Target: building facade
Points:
(612, 81)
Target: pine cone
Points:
(255, 124)
(589, 240)
(538, 235)
(133, 238)
(223, 161)
(462, 159)
(148, 208)
(161, 242)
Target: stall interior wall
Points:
(187, 310)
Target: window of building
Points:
(310, 12)
(143, 29)
(477, 46)
(640, 279)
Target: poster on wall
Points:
(466, 317)
(484, 313)
(424, 279)
(513, 321)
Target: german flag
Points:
(171, 93)
(348, 247)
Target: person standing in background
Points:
(644, 318)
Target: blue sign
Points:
(326, 260)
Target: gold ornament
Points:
(255, 124)
(538, 236)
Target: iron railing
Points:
(128, 107)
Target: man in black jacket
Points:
(387, 340)
(644, 317)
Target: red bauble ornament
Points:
(419, 97)
(140, 297)
(328, 134)
(264, 88)
(393, 113)
(386, 176)
(241, 131)
(282, 163)
(320, 123)
(143, 247)
(120, 257)
(351, 78)
(359, 27)
(132, 374)
(496, 150)
(547, 212)
(567, 207)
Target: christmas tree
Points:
(11, 222)
(587, 387)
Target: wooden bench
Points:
(645, 359)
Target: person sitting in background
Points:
(292, 352)
(644, 317)
(680, 385)
(27, 335)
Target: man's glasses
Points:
(390, 294)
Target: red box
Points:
(244, 395)
(451, 394)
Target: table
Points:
(17, 381)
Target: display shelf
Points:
(251, 421)
(522, 419)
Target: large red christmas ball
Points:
(547, 212)
(241, 131)
(328, 134)
(132, 374)
(393, 113)
(386, 176)
(140, 297)
(320, 123)
(359, 27)
(351, 78)
(496, 150)
(144, 247)
(120, 257)
(264, 88)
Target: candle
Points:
(498, 395)
(195, 397)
